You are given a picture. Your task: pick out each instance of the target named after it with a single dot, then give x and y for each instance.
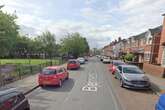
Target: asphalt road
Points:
(87, 89)
(91, 88)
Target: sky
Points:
(100, 21)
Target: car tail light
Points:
(113, 67)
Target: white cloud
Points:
(131, 17)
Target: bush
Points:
(128, 57)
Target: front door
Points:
(163, 58)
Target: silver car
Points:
(131, 76)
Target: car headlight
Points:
(126, 80)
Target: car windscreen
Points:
(48, 71)
(132, 70)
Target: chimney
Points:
(119, 39)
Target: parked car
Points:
(106, 60)
(12, 99)
(101, 58)
(161, 103)
(131, 76)
(81, 60)
(86, 58)
(113, 66)
(73, 64)
(53, 75)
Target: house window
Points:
(147, 56)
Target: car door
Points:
(61, 74)
(21, 102)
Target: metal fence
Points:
(21, 71)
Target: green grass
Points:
(25, 61)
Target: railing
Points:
(21, 71)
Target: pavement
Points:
(157, 84)
(27, 84)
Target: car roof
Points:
(128, 65)
(72, 60)
(8, 90)
(117, 61)
(53, 67)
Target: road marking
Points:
(91, 84)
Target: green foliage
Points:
(47, 42)
(8, 33)
(74, 44)
(14, 45)
(129, 57)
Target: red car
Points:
(53, 75)
(73, 64)
(112, 67)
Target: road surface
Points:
(90, 88)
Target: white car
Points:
(106, 60)
(81, 60)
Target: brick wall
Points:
(162, 40)
(153, 69)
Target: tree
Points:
(48, 42)
(74, 44)
(8, 33)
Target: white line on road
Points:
(91, 84)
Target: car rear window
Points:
(48, 71)
(72, 62)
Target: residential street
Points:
(91, 88)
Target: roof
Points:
(7, 91)
(139, 36)
(163, 14)
(156, 30)
(153, 31)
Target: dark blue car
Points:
(161, 103)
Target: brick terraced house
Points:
(148, 48)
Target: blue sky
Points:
(100, 21)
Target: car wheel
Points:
(60, 83)
(121, 83)
(67, 77)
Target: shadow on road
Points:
(66, 87)
(147, 91)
